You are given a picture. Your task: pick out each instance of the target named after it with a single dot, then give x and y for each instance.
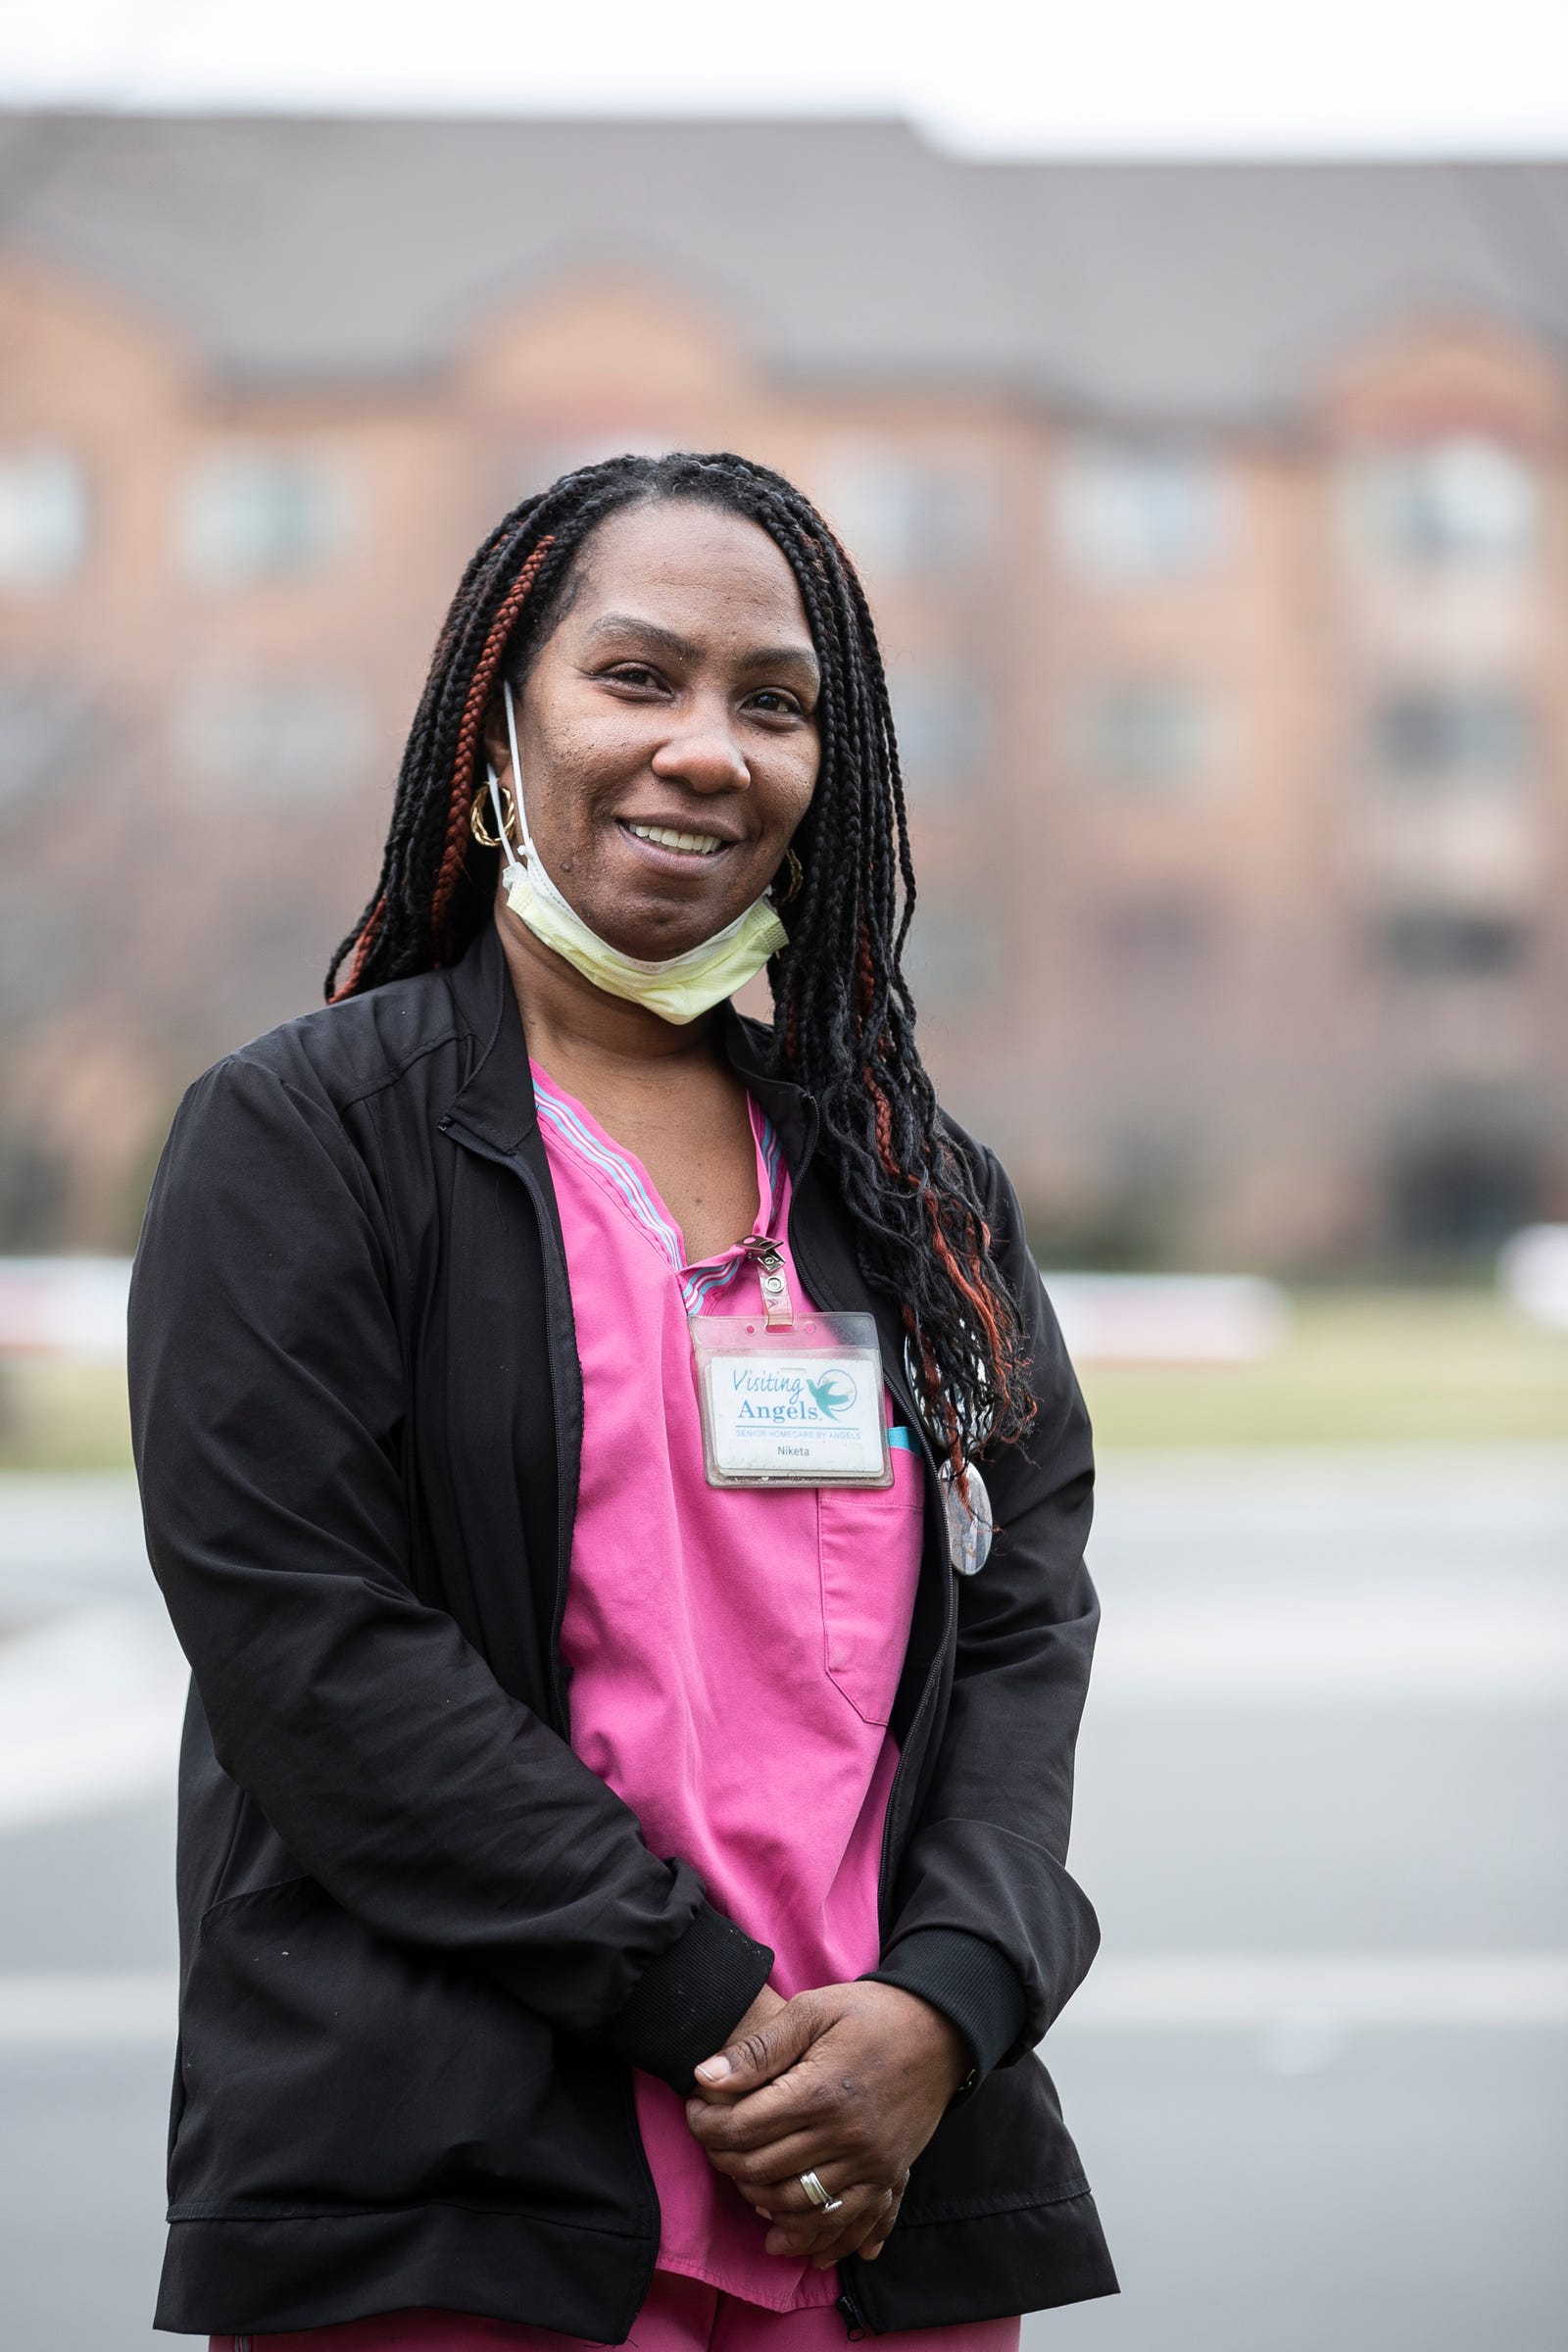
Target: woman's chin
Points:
(656, 943)
(654, 925)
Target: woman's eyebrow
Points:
(629, 624)
(801, 658)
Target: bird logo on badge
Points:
(833, 1394)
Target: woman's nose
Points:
(705, 756)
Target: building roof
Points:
(311, 248)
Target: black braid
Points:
(844, 1019)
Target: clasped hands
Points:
(848, 2083)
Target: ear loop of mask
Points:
(516, 859)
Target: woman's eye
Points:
(776, 703)
(633, 673)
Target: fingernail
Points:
(714, 2070)
(763, 2210)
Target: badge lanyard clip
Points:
(778, 1308)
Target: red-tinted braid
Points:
(882, 1117)
(935, 1393)
(973, 1289)
(372, 924)
(971, 1284)
(473, 711)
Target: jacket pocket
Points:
(325, 2069)
(997, 2217)
(868, 1558)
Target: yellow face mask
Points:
(679, 988)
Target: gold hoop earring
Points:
(479, 824)
(797, 875)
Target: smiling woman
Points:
(623, 1864)
(844, 1020)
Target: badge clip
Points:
(778, 1308)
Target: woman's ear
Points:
(493, 740)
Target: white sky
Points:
(992, 76)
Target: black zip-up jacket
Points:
(422, 1946)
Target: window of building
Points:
(1149, 734)
(1461, 500)
(43, 518)
(942, 722)
(34, 1186)
(1451, 943)
(907, 514)
(264, 513)
(1133, 511)
(1452, 736)
(294, 739)
(1463, 1187)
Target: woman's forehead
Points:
(681, 552)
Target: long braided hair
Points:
(844, 1020)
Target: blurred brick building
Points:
(1216, 519)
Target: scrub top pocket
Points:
(868, 1558)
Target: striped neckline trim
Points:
(627, 1180)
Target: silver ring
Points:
(817, 2194)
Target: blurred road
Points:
(1318, 2072)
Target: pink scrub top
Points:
(733, 1655)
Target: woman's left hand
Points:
(848, 2082)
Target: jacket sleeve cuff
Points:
(973, 1985)
(688, 2001)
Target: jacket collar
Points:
(495, 1104)
(496, 1100)
(791, 1109)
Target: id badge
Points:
(796, 1406)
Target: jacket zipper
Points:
(557, 1280)
(855, 2320)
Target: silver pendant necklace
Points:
(970, 1520)
(965, 1503)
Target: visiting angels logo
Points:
(790, 1392)
(833, 1394)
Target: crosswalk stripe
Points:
(1158, 1991)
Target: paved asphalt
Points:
(1318, 2074)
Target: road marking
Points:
(1166, 1991)
(1339, 1645)
(1318, 1580)
(1160, 1991)
(92, 1700)
(92, 1704)
(86, 2011)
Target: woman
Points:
(622, 1864)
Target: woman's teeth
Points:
(702, 845)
